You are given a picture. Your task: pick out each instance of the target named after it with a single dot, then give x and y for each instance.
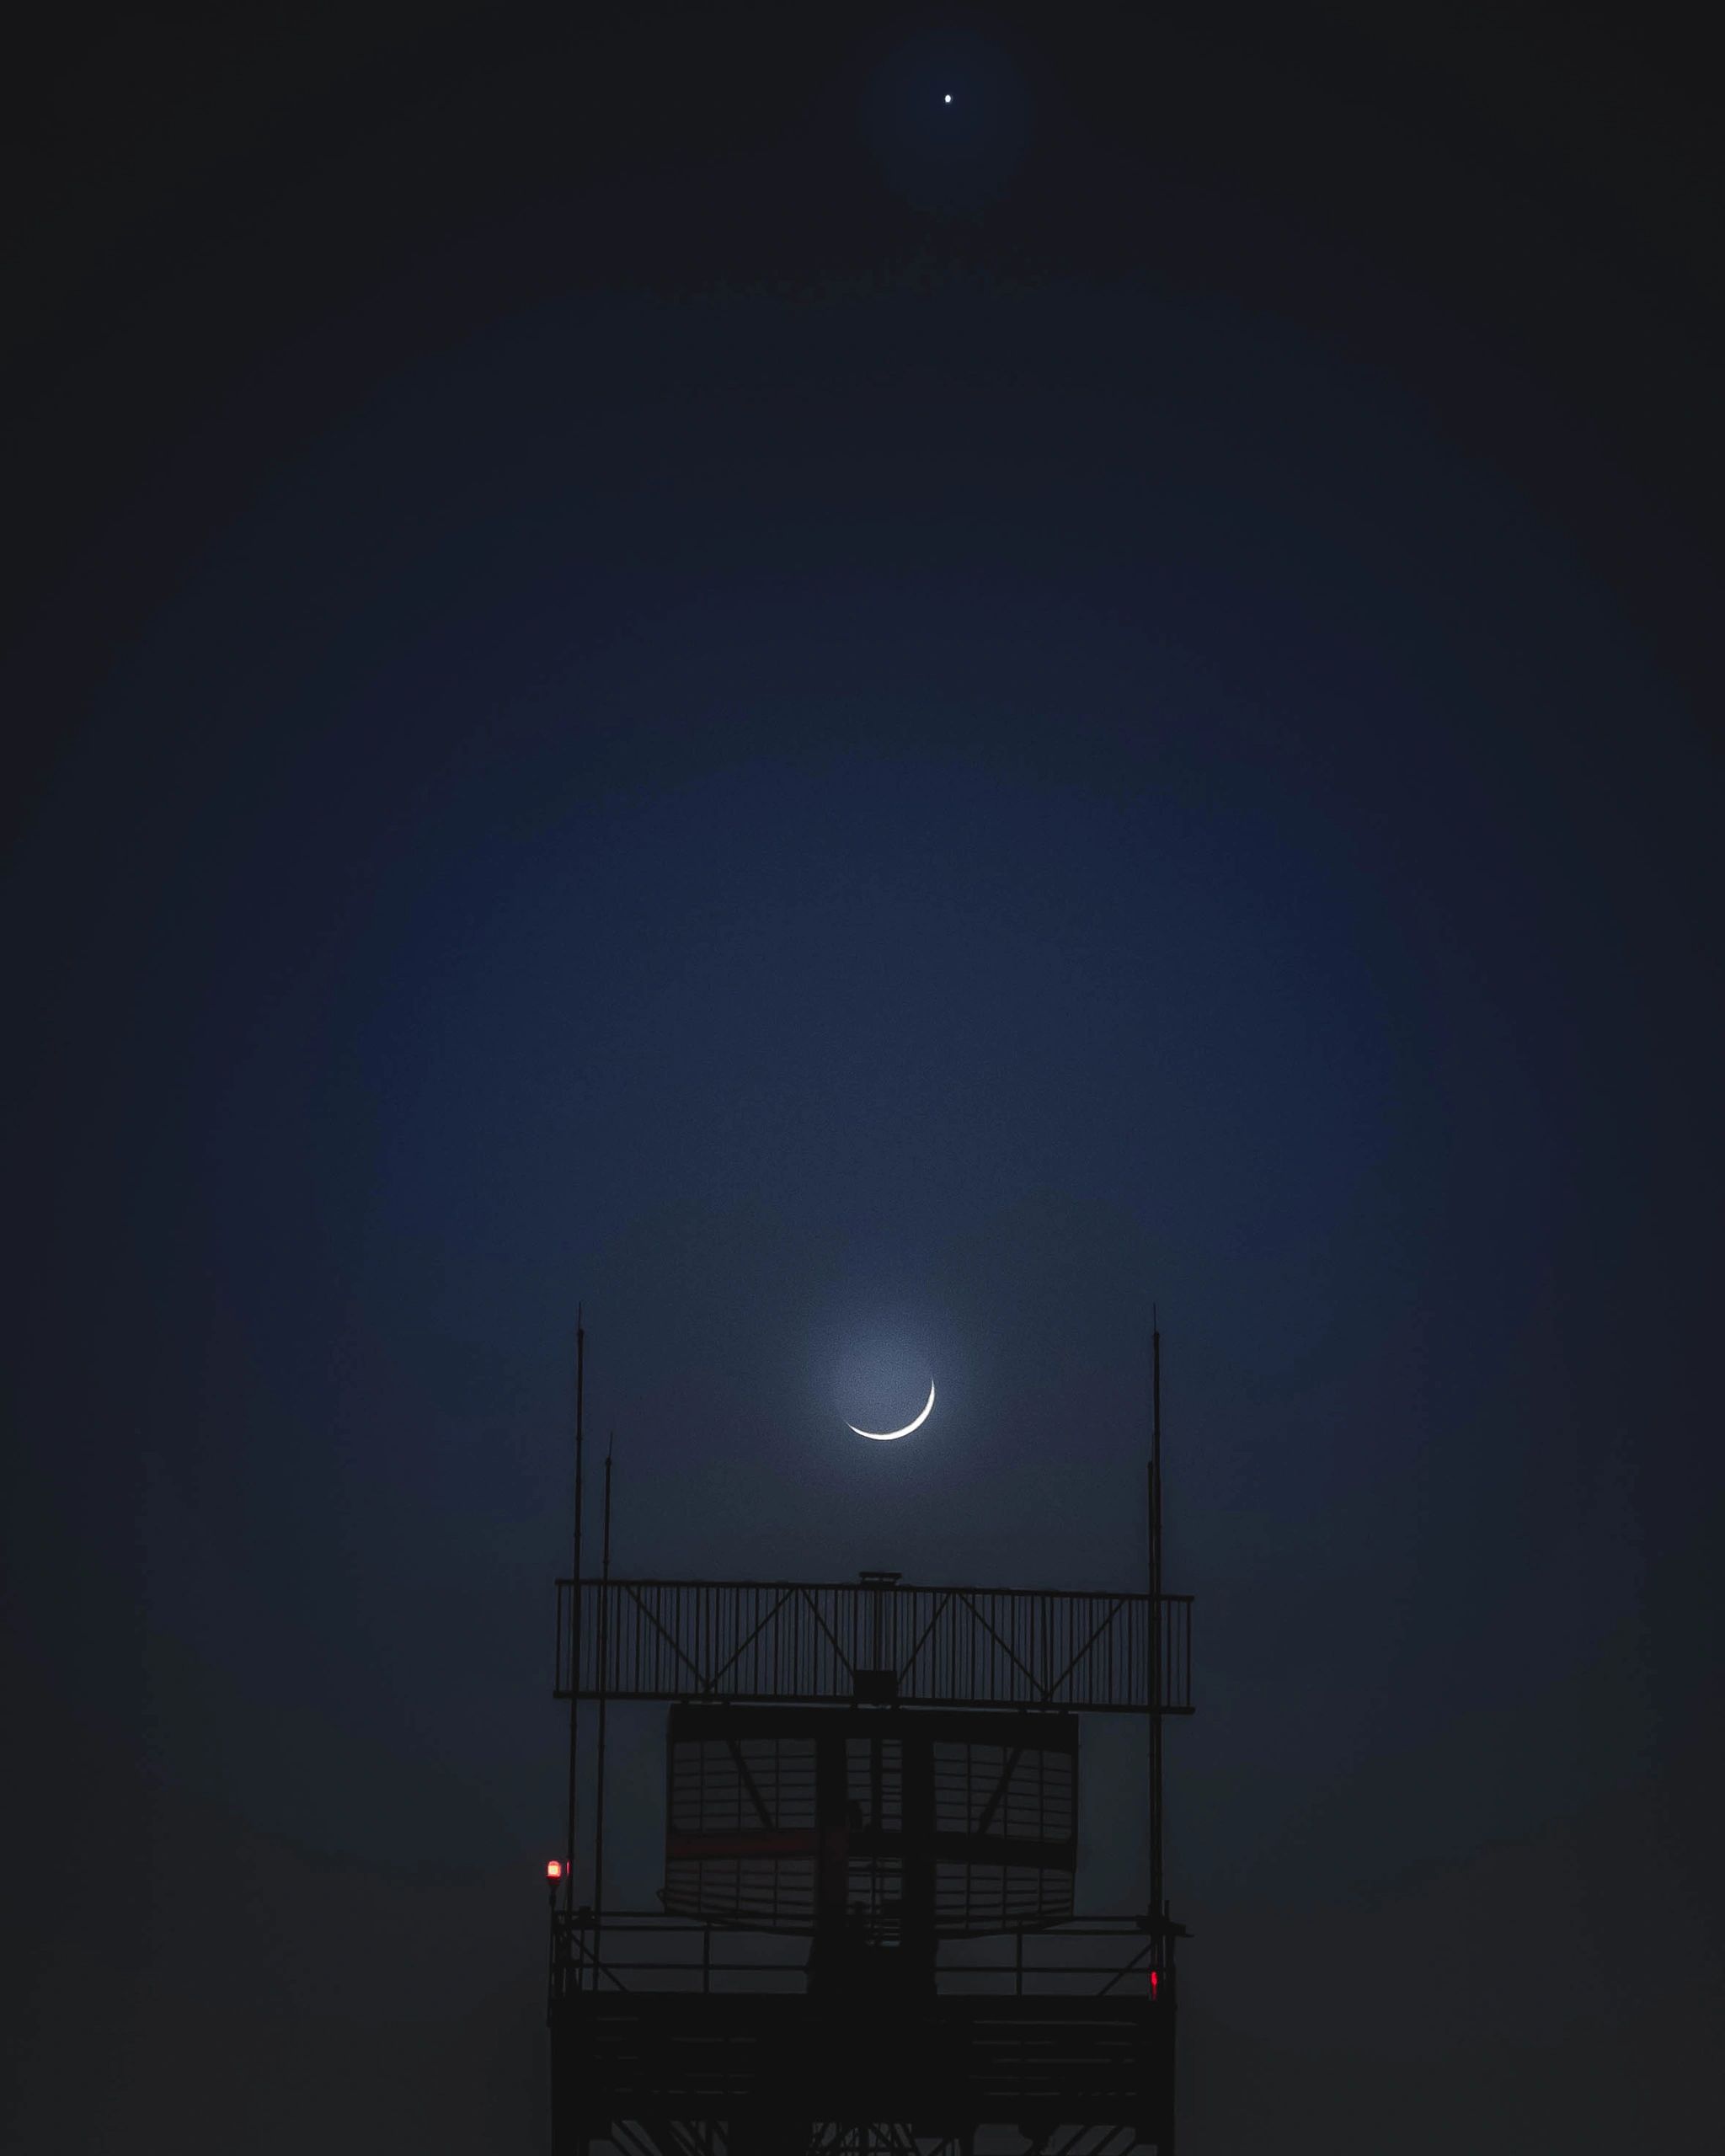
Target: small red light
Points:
(1154, 1979)
(553, 1870)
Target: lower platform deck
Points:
(771, 2071)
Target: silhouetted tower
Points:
(868, 1936)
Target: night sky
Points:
(646, 667)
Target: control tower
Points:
(870, 1933)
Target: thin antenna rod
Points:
(568, 1861)
(604, 1649)
(1154, 1523)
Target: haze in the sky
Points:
(651, 668)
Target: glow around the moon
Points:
(882, 1435)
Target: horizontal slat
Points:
(1098, 2060)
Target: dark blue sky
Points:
(649, 671)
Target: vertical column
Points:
(916, 1936)
(832, 1829)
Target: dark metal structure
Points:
(874, 1642)
(868, 1936)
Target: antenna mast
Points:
(604, 1652)
(1158, 1909)
(569, 1862)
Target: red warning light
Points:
(553, 1870)
(1155, 1980)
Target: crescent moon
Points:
(882, 1435)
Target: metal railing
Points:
(641, 1950)
(790, 1641)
